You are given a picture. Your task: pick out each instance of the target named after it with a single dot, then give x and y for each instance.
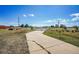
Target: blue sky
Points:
(39, 15)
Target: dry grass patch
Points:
(13, 42)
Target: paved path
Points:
(42, 44)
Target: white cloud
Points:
(75, 19)
(56, 20)
(62, 20)
(49, 21)
(52, 20)
(25, 15)
(31, 15)
(75, 14)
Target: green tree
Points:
(62, 26)
(26, 25)
(76, 27)
(22, 25)
(52, 26)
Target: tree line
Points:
(64, 26)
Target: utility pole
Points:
(59, 31)
(18, 21)
(58, 23)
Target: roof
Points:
(3, 27)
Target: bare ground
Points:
(13, 43)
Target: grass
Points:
(69, 37)
(13, 42)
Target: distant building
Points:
(14, 28)
(4, 27)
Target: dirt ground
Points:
(13, 43)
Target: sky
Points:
(39, 15)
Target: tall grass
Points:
(68, 37)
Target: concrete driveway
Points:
(41, 44)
